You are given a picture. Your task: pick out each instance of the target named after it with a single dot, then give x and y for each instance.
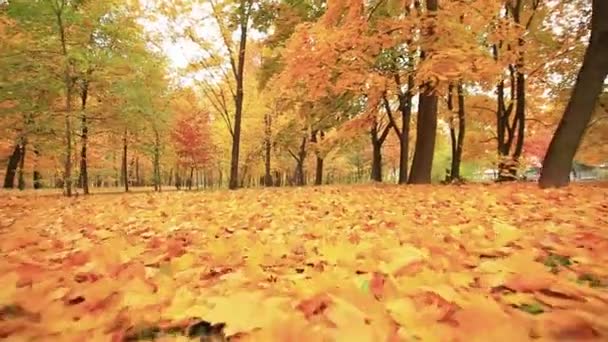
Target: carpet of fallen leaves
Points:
(363, 263)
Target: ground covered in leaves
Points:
(366, 263)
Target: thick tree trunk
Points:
(319, 171)
(571, 129)
(11, 168)
(422, 164)
(376, 174)
(426, 131)
(125, 166)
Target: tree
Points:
(567, 138)
(457, 134)
(426, 129)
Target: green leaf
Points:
(555, 260)
(592, 280)
(533, 309)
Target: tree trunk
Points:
(37, 176)
(299, 176)
(125, 166)
(21, 180)
(191, 179)
(69, 87)
(377, 140)
(571, 129)
(178, 178)
(239, 74)
(11, 168)
(461, 134)
(426, 131)
(319, 159)
(376, 174)
(422, 164)
(267, 149)
(405, 106)
(84, 173)
(156, 163)
(456, 135)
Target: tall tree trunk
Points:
(13, 164)
(426, 130)
(571, 129)
(422, 164)
(405, 106)
(69, 87)
(299, 176)
(138, 181)
(84, 173)
(376, 174)
(267, 149)
(125, 166)
(191, 178)
(319, 171)
(377, 139)
(156, 166)
(457, 155)
(37, 176)
(21, 180)
(239, 74)
(319, 159)
(178, 178)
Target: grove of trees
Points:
(238, 93)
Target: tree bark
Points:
(69, 85)
(376, 174)
(426, 130)
(239, 73)
(37, 176)
(125, 166)
(84, 138)
(405, 106)
(267, 149)
(422, 164)
(456, 135)
(319, 160)
(21, 179)
(191, 178)
(571, 129)
(299, 177)
(377, 140)
(11, 168)
(156, 162)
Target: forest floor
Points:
(356, 263)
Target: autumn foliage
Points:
(192, 139)
(470, 263)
